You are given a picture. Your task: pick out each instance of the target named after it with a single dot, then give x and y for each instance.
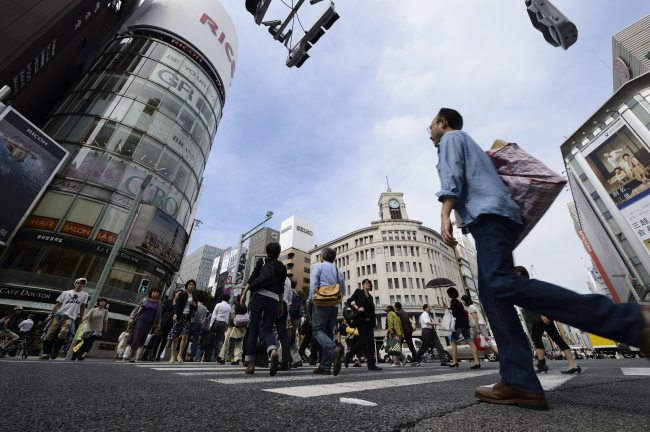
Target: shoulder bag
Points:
(328, 295)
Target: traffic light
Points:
(258, 8)
(298, 55)
(144, 286)
(557, 29)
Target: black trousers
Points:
(365, 342)
(430, 338)
(538, 330)
(308, 340)
(408, 337)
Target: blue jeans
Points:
(262, 312)
(323, 321)
(500, 289)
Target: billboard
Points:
(158, 233)
(29, 159)
(298, 233)
(621, 162)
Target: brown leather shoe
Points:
(250, 368)
(504, 395)
(645, 336)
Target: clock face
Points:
(393, 204)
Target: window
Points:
(53, 205)
(413, 300)
(392, 251)
(363, 270)
(383, 235)
(103, 135)
(168, 164)
(431, 265)
(358, 272)
(375, 284)
(387, 267)
(398, 298)
(417, 282)
(395, 267)
(376, 301)
(390, 235)
(401, 266)
(390, 283)
(415, 266)
(372, 253)
(396, 282)
(392, 300)
(399, 250)
(404, 283)
(386, 251)
(420, 264)
(410, 282)
(374, 269)
(148, 152)
(408, 266)
(402, 235)
(421, 300)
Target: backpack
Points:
(266, 279)
(296, 304)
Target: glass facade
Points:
(144, 108)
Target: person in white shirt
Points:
(281, 327)
(429, 338)
(69, 306)
(219, 325)
(477, 322)
(27, 325)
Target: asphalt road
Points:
(110, 396)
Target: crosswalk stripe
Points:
(234, 372)
(548, 381)
(284, 378)
(636, 371)
(308, 391)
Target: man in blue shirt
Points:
(323, 319)
(471, 186)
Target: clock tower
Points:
(391, 206)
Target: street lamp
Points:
(248, 234)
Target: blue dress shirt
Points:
(323, 274)
(468, 175)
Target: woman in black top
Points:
(461, 329)
(362, 302)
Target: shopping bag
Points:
(448, 322)
(393, 347)
(481, 343)
(532, 185)
(78, 346)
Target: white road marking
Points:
(351, 387)
(636, 371)
(236, 372)
(357, 402)
(283, 378)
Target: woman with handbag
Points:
(462, 329)
(185, 306)
(361, 301)
(144, 318)
(394, 335)
(96, 321)
(478, 324)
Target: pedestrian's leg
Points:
(369, 346)
(181, 350)
(255, 311)
(552, 332)
(323, 335)
(408, 337)
(281, 326)
(50, 336)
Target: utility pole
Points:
(119, 242)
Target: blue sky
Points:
(318, 141)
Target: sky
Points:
(319, 141)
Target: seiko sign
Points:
(304, 230)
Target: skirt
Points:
(139, 333)
(181, 327)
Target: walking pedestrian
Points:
(9, 330)
(471, 185)
(429, 337)
(145, 318)
(200, 324)
(477, 322)
(97, 321)
(69, 306)
(184, 310)
(538, 324)
(296, 312)
(309, 341)
(122, 340)
(266, 285)
(407, 327)
(362, 302)
(325, 275)
(281, 323)
(219, 326)
(394, 330)
(166, 324)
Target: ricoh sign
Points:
(204, 24)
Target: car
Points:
(383, 356)
(628, 351)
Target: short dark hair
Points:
(189, 282)
(225, 297)
(453, 117)
(467, 299)
(452, 292)
(425, 306)
(101, 299)
(363, 282)
(521, 271)
(398, 305)
(294, 284)
(152, 290)
(273, 250)
(329, 254)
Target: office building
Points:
(257, 248)
(297, 238)
(148, 108)
(198, 266)
(607, 161)
(631, 52)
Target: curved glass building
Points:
(150, 105)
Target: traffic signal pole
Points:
(119, 242)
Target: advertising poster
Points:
(621, 163)
(29, 159)
(165, 238)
